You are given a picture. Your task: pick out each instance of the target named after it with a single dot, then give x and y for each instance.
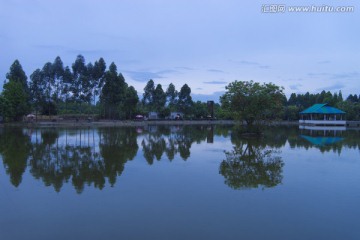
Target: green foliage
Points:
(18, 75)
(131, 101)
(291, 113)
(352, 110)
(14, 101)
(118, 100)
(159, 98)
(253, 102)
(15, 98)
(303, 101)
(171, 96)
(199, 110)
(185, 101)
(148, 96)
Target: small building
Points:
(176, 116)
(322, 114)
(153, 116)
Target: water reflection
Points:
(328, 138)
(15, 148)
(253, 163)
(95, 157)
(59, 156)
(173, 140)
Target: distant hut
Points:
(322, 114)
(176, 116)
(153, 116)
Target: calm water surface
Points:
(179, 182)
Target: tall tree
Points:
(49, 82)
(37, 89)
(184, 99)
(58, 72)
(159, 98)
(67, 84)
(171, 95)
(16, 100)
(17, 74)
(81, 84)
(131, 101)
(113, 93)
(98, 72)
(15, 95)
(148, 96)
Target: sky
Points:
(204, 43)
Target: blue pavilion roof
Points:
(322, 109)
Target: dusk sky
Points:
(204, 43)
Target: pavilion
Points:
(322, 114)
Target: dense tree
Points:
(171, 96)
(148, 95)
(253, 102)
(16, 94)
(97, 74)
(67, 83)
(14, 101)
(48, 80)
(17, 74)
(352, 98)
(113, 93)
(199, 110)
(58, 72)
(159, 98)
(185, 101)
(81, 87)
(131, 101)
(37, 90)
(5, 109)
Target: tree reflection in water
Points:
(88, 156)
(171, 140)
(252, 164)
(82, 156)
(15, 148)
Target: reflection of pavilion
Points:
(322, 128)
(321, 136)
(320, 141)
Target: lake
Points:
(179, 182)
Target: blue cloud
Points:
(295, 86)
(337, 86)
(264, 67)
(208, 97)
(345, 75)
(324, 62)
(250, 63)
(144, 76)
(185, 68)
(216, 82)
(215, 71)
(349, 75)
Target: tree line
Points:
(92, 88)
(88, 88)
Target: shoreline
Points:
(131, 123)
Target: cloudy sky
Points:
(204, 43)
